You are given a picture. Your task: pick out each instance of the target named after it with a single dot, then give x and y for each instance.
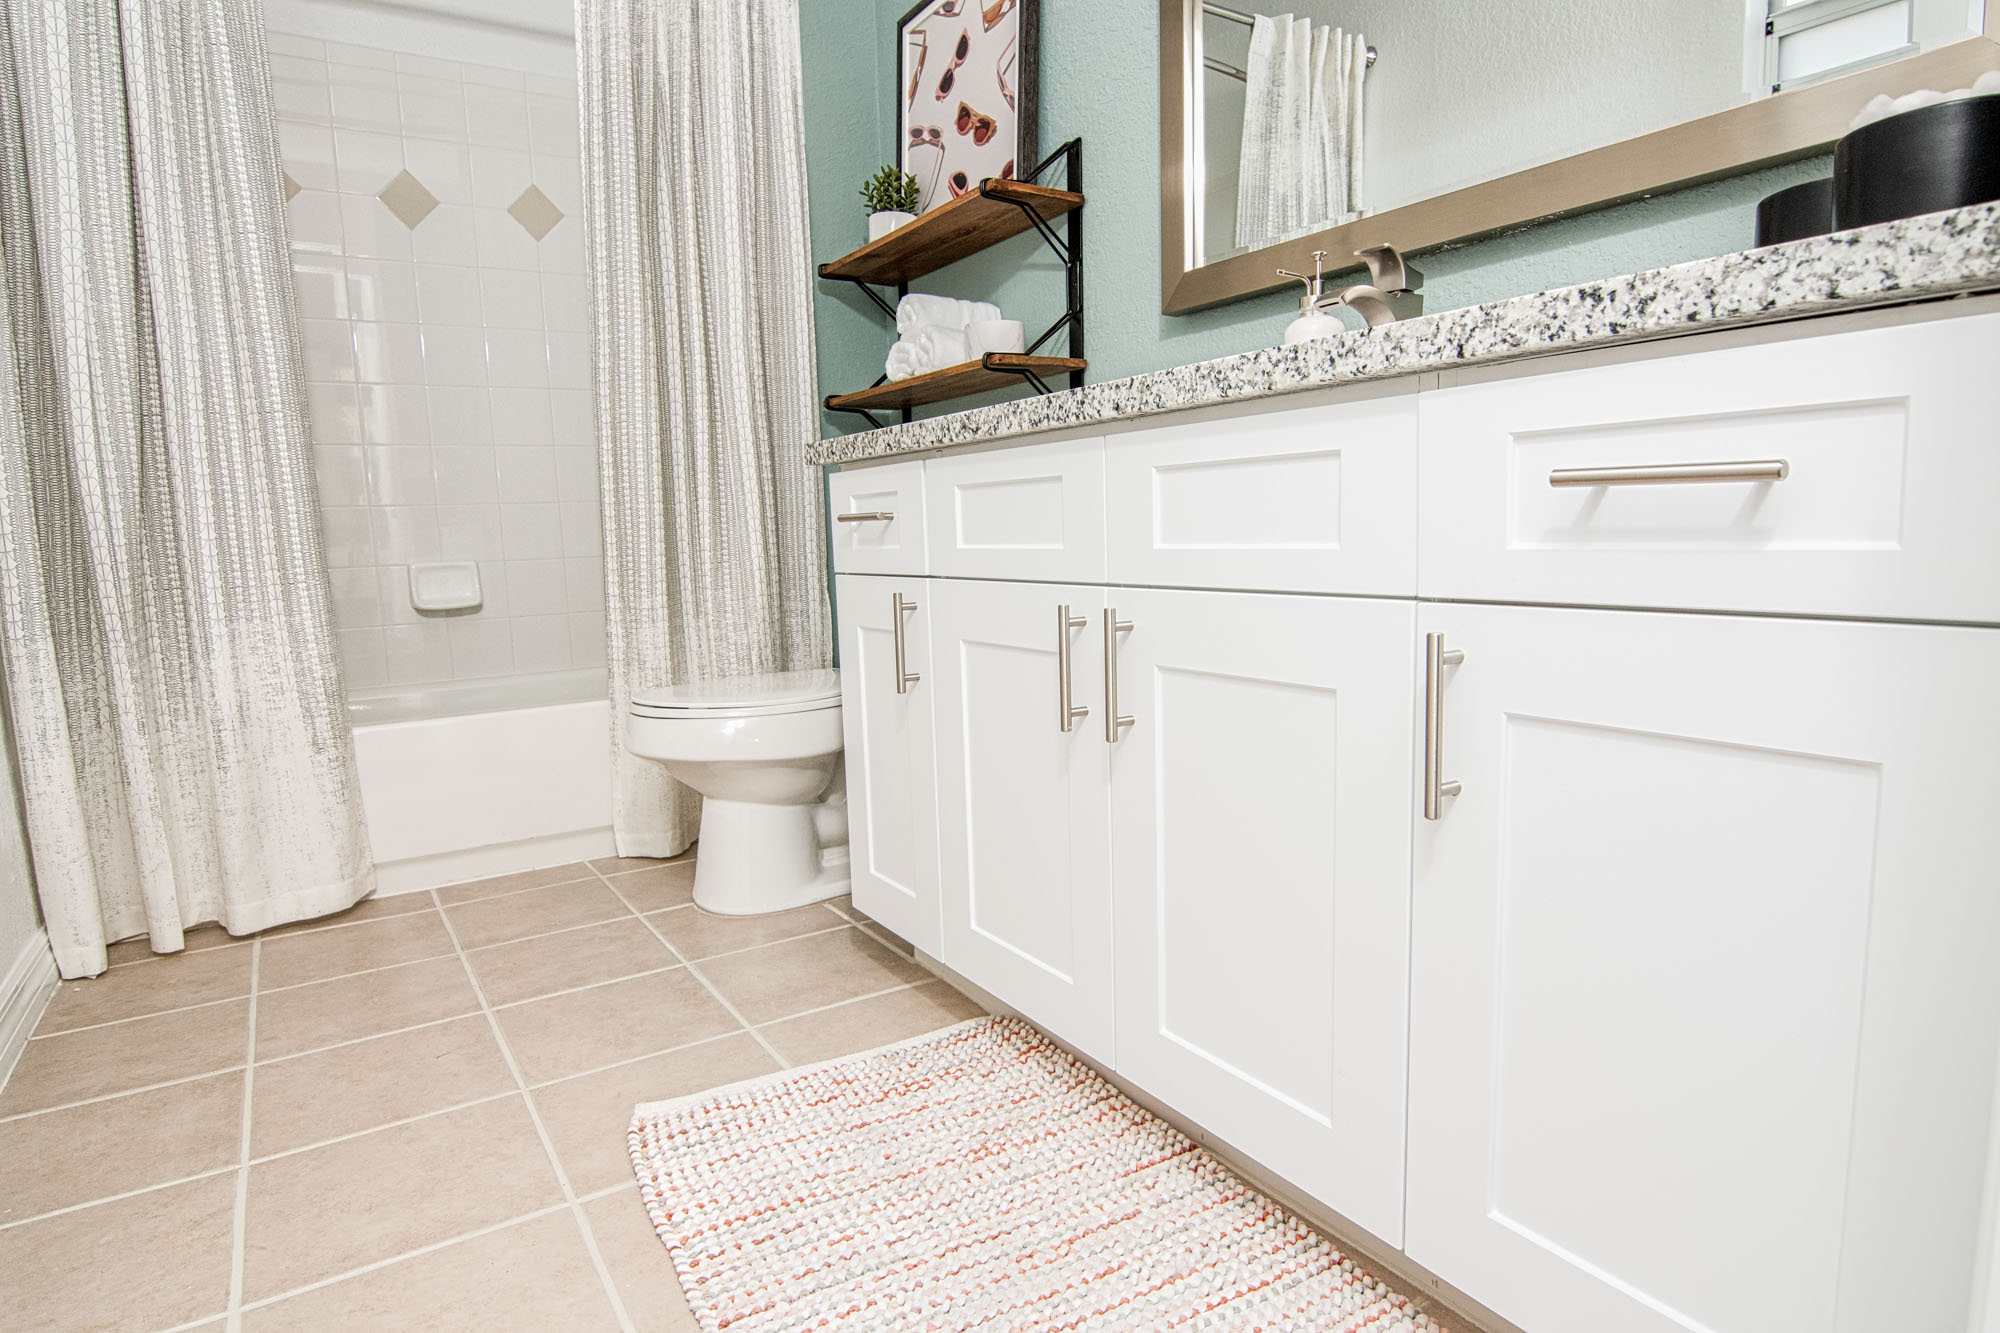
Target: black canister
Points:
(1795, 213)
(1946, 155)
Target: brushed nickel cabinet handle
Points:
(1113, 627)
(1436, 786)
(873, 516)
(1065, 690)
(1668, 474)
(898, 609)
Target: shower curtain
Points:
(165, 632)
(701, 315)
(1302, 128)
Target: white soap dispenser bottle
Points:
(1313, 322)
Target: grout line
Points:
(584, 878)
(606, 1193)
(631, 1060)
(696, 973)
(209, 1174)
(239, 1227)
(356, 1041)
(593, 985)
(589, 1237)
(122, 1092)
(417, 1253)
(770, 944)
(386, 1124)
(841, 1004)
(134, 1018)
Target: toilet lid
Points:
(742, 696)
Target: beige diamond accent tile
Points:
(291, 186)
(406, 197)
(536, 212)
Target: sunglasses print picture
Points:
(958, 56)
(976, 123)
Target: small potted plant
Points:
(892, 200)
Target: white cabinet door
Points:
(1314, 499)
(878, 518)
(1023, 805)
(1034, 511)
(1705, 970)
(1261, 858)
(891, 761)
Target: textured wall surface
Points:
(20, 917)
(1100, 79)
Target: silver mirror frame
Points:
(1772, 130)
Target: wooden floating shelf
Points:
(995, 370)
(950, 232)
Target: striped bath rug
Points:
(979, 1177)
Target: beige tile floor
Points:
(411, 1115)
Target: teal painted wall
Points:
(1100, 79)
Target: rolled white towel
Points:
(918, 309)
(939, 346)
(1882, 106)
(904, 361)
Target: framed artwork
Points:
(965, 94)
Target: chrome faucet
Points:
(1390, 294)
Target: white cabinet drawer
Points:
(1032, 513)
(1318, 499)
(878, 519)
(1887, 441)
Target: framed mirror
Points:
(1451, 121)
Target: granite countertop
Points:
(1941, 254)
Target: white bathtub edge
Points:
(417, 874)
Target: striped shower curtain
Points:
(701, 315)
(165, 632)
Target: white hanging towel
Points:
(1302, 130)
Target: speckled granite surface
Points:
(1937, 255)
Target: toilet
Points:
(764, 752)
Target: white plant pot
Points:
(882, 223)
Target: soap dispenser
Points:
(1313, 322)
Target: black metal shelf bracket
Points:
(1068, 249)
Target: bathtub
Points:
(464, 779)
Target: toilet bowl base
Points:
(764, 858)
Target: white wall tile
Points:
(362, 102)
(382, 289)
(494, 599)
(302, 99)
(287, 44)
(329, 349)
(386, 353)
(298, 67)
(576, 474)
(466, 473)
(350, 535)
(370, 231)
(565, 302)
(405, 534)
(444, 168)
(586, 639)
(550, 85)
(342, 471)
(394, 414)
(432, 109)
(313, 220)
(365, 162)
(481, 647)
(447, 236)
(571, 419)
(527, 475)
(469, 532)
(532, 531)
(561, 179)
(357, 602)
(400, 474)
(335, 417)
(511, 300)
(491, 76)
(499, 175)
(583, 583)
(517, 357)
(541, 643)
(365, 57)
(521, 417)
(569, 360)
(503, 242)
(536, 588)
(307, 151)
(361, 657)
(393, 585)
(582, 530)
(427, 66)
(448, 294)
(418, 653)
(454, 354)
(496, 117)
(552, 126)
(562, 249)
(321, 284)
(461, 416)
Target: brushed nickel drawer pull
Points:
(1065, 690)
(1113, 627)
(898, 609)
(1667, 474)
(1436, 786)
(872, 516)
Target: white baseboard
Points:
(417, 873)
(25, 991)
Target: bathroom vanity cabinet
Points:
(1551, 827)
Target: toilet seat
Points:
(740, 696)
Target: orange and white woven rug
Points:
(978, 1177)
